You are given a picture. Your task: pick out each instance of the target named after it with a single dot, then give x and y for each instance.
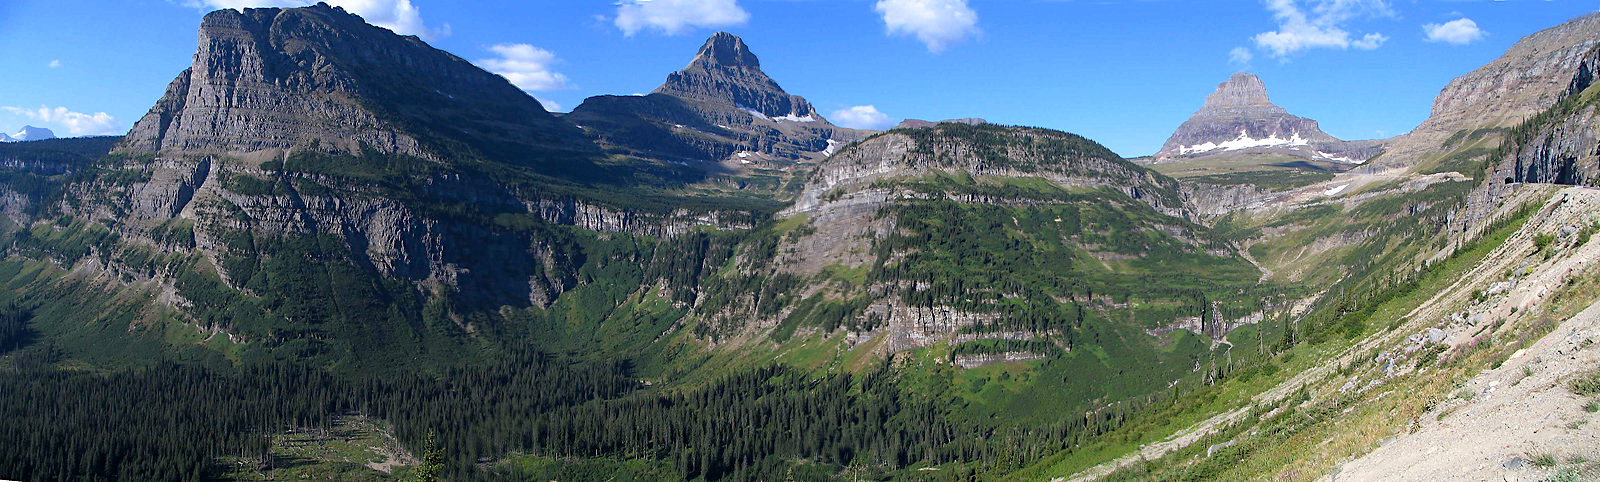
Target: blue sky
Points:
(1124, 73)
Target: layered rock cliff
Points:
(1529, 78)
(317, 76)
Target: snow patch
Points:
(1244, 141)
(755, 113)
(1335, 190)
(1335, 158)
(744, 156)
(794, 118)
(833, 146)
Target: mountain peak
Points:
(1240, 116)
(728, 50)
(270, 78)
(725, 71)
(1242, 91)
(29, 133)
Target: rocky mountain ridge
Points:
(720, 114)
(280, 79)
(1529, 78)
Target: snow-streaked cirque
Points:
(1244, 141)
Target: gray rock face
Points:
(285, 78)
(1532, 76)
(719, 113)
(1239, 115)
(1566, 149)
(1559, 146)
(725, 70)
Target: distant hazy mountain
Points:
(28, 133)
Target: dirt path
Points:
(1516, 413)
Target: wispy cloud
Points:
(398, 15)
(1322, 25)
(939, 24)
(55, 64)
(673, 17)
(75, 123)
(861, 117)
(1240, 56)
(526, 66)
(1460, 31)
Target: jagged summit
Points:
(1240, 115)
(726, 49)
(721, 112)
(1242, 93)
(726, 71)
(286, 78)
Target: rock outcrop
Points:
(1240, 116)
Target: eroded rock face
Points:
(1560, 146)
(1531, 77)
(273, 78)
(217, 155)
(725, 70)
(1239, 115)
(720, 113)
(901, 154)
(1565, 150)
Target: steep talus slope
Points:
(720, 114)
(1446, 293)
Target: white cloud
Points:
(673, 17)
(55, 64)
(75, 123)
(1322, 27)
(549, 105)
(398, 15)
(939, 24)
(861, 117)
(1240, 55)
(526, 66)
(1460, 31)
(1370, 41)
